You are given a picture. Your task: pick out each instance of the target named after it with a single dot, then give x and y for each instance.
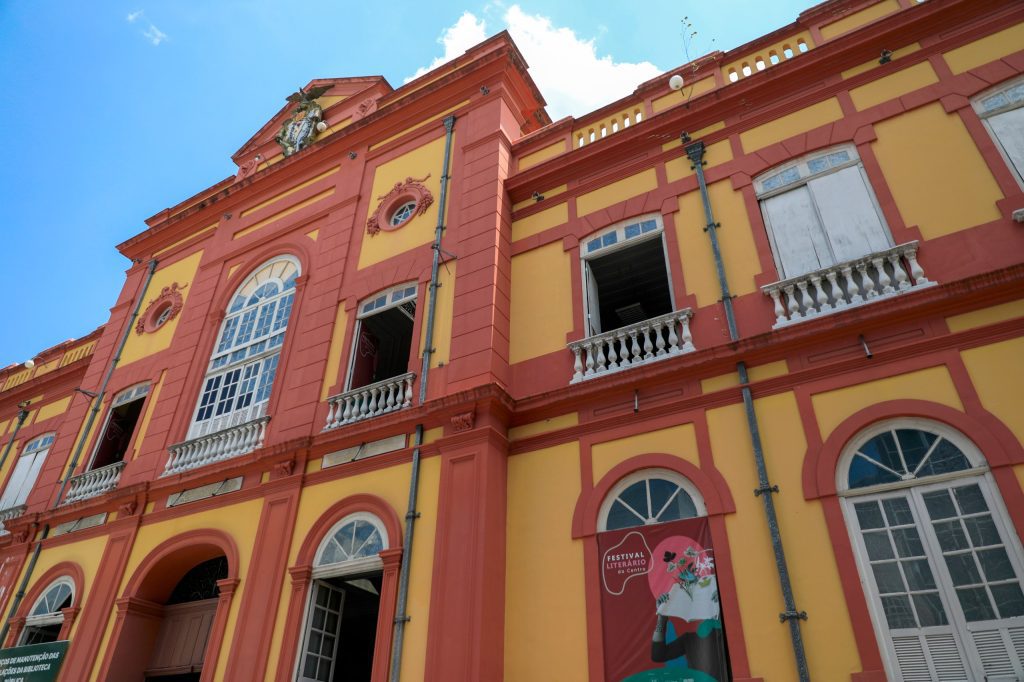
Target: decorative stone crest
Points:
(365, 108)
(127, 509)
(161, 309)
(248, 168)
(463, 422)
(401, 193)
(285, 468)
(302, 126)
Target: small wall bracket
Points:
(792, 615)
(765, 489)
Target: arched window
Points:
(648, 497)
(940, 561)
(44, 620)
(344, 602)
(1001, 109)
(245, 356)
(125, 410)
(19, 485)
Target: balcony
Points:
(874, 277)
(10, 513)
(93, 483)
(216, 447)
(368, 401)
(637, 344)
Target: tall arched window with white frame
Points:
(245, 357)
(46, 618)
(938, 556)
(1001, 109)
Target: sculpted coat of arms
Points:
(298, 131)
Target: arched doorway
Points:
(171, 619)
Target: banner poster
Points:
(659, 604)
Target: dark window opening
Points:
(627, 286)
(383, 344)
(114, 442)
(200, 582)
(342, 630)
(41, 634)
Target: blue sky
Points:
(115, 111)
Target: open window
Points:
(23, 478)
(1002, 112)
(625, 275)
(44, 621)
(125, 411)
(244, 360)
(820, 211)
(344, 603)
(382, 342)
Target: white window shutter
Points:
(593, 304)
(800, 245)
(1009, 131)
(924, 658)
(848, 212)
(22, 479)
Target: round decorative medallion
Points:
(161, 309)
(405, 201)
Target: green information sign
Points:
(32, 663)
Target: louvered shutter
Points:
(848, 213)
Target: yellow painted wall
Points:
(689, 91)
(392, 485)
(831, 408)
(442, 317)
(543, 154)
(538, 222)
(294, 208)
(541, 306)
(546, 193)
(680, 441)
(86, 554)
(890, 87)
(873, 64)
(334, 352)
(986, 50)
(929, 180)
(852, 21)
(436, 121)
(986, 316)
(680, 167)
(831, 649)
(787, 126)
(545, 426)
(707, 130)
(613, 193)
(238, 520)
(53, 409)
(546, 622)
(997, 372)
(422, 161)
(736, 239)
(183, 272)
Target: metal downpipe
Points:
(695, 151)
(97, 404)
(401, 615)
(22, 415)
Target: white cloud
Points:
(154, 35)
(572, 77)
(132, 16)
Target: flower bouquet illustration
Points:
(694, 592)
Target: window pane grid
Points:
(649, 501)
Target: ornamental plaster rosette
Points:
(171, 295)
(402, 192)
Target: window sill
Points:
(369, 401)
(658, 338)
(874, 277)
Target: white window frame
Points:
(371, 305)
(254, 359)
(648, 474)
(37, 449)
(988, 107)
(913, 490)
(322, 572)
(51, 617)
(802, 172)
(614, 238)
(139, 391)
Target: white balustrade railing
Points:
(215, 447)
(369, 401)
(872, 278)
(93, 483)
(655, 339)
(10, 513)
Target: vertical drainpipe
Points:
(401, 615)
(97, 402)
(22, 415)
(695, 150)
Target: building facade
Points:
(415, 394)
